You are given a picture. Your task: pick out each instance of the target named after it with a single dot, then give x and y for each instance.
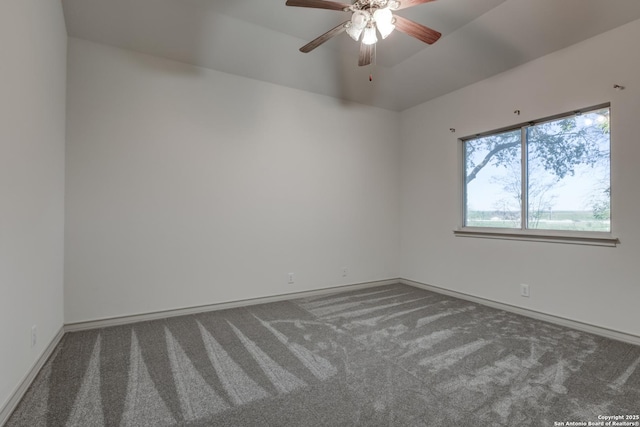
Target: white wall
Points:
(596, 285)
(33, 43)
(187, 186)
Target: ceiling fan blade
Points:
(323, 38)
(410, 3)
(366, 54)
(319, 4)
(416, 30)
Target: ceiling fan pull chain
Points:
(375, 54)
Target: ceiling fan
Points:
(367, 17)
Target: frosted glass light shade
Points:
(393, 5)
(359, 21)
(370, 36)
(354, 32)
(385, 29)
(384, 22)
(383, 16)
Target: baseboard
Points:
(15, 398)
(562, 321)
(143, 317)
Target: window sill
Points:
(540, 236)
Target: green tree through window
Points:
(563, 180)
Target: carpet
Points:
(385, 356)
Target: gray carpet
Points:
(392, 355)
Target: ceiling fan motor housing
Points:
(373, 4)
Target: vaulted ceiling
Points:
(260, 39)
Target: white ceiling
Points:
(260, 39)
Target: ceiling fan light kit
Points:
(369, 17)
(363, 21)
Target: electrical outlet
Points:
(34, 335)
(524, 290)
(345, 271)
(291, 278)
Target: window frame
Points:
(595, 238)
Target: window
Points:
(552, 174)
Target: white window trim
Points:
(548, 236)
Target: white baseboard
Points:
(143, 317)
(569, 323)
(17, 395)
